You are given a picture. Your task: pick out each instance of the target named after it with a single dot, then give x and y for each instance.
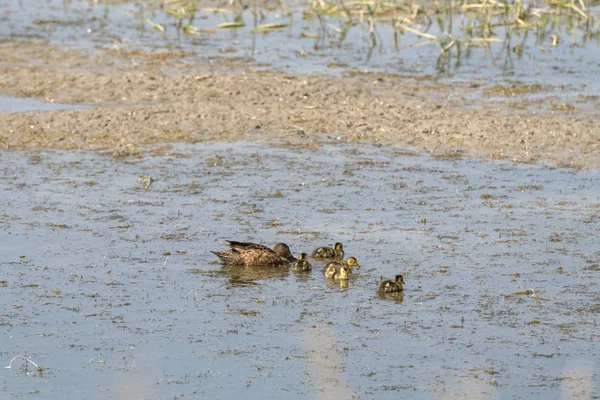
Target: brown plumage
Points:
(395, 286)
(301, 264)
(243, 253)
(327, 252)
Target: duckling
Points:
(301, 264)
(394, 286)
(336, 272)
(351, 262)
(243, 253)
(145, 181)
(327, 252)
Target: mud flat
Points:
(145, 98)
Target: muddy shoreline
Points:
(139, 99)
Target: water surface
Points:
(112, 290)
(12, 104)
(570, 69)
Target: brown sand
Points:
(139, 99)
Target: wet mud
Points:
(153, 102)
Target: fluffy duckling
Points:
(395, 286)
(327, 252)
(301, 264)
(336, 272)
(351, 262)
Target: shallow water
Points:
(112, 290)
(11, 104)
(570, 69)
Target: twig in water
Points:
(24, 358)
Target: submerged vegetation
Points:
(499, 29)
(455, 26)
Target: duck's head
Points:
(338, 247)
(352, 263)
(303, 257)
(282, 250)
(399, 280)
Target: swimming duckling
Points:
(394, 286)
(243, 253)
(351, 262)
(336, 272)
(327, 252)
(145, 181)
(301, 264)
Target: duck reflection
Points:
(338, 284)
(397, 296)
(245, 276)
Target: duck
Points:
(301, 264)
(351, 262)
(395, 286)
(327, 252)
(336, 272)
(244, 253)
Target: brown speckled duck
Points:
(242, 253)
(327, 252)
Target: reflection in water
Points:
(398, 297)
(242, 275)
(463, 54)
(302, 276)
(338, 283)
(325, 365)
(577, 380)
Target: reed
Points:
(455, 26)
